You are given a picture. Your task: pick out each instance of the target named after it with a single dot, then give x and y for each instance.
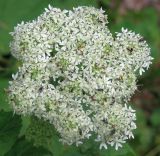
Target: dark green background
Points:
(140, 16)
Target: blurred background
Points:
(18, 136)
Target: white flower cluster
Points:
(76, 75)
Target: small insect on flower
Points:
(113, 101)
(130, 50)
(112, 132)
(40, 89)
(105, 120)
(80, 131)
(141, 39)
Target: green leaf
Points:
(24, 148)
(25, 124)
(40, 132)
(3, 95)
(69, 4)
(155, 117)
(142, 131)
(9, 130)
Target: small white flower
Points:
(118, 145)
(102, 145)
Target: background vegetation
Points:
(17, 135)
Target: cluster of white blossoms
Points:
(77, 76)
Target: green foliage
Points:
(24, 148)
(3, 96)
(40, 132)
(155, 118)
(10, 125)
(126, 150)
